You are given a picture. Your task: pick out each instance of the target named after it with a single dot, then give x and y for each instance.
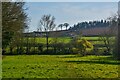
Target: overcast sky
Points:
(70, 12)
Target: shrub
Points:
(57, 46)
(82, 45)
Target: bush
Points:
(57, 46)
(82, 45)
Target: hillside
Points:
(70, 33)
(91, 28)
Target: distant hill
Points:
(94, 28)
(71, 33)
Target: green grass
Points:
(60, 39)
(91, 38)
(59, 66)
(43, 40)
(63, 39)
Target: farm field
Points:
(63, 39)
(96, 41)
(59, 66)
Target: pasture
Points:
(61, 39)
(59, 66)
(42, 40)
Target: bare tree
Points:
(60, 25)
(116, 23)
(66, 25)
(46, 24)
(108, 36)
(107, 40)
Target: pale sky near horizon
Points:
(67, 0)
(70, 12)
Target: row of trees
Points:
(55, 46)
(62, 25)
(90, 24)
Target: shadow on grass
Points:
(74, 56)
(95, 62)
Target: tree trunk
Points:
(27, 46)
(107, 44)
(17, 49)
(11, 49)
(21, 45)
(117, 49)
(34, 44)
(47, 41)
(118, 40)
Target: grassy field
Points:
(43, 39)
(59, 66)
(94, 40)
